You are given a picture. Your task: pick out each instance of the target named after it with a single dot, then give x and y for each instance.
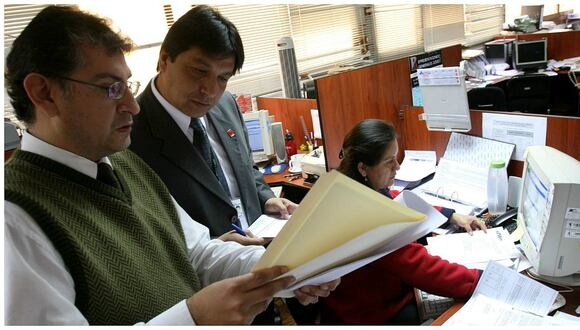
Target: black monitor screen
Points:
(531, 54)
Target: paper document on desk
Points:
(505, 297)
(464, 249)
(339, 222)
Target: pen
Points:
(238, 229)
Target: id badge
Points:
(241, 215)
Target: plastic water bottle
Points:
(497, 187)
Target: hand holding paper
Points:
(341, 225)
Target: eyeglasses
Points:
(116, 90)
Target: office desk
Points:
(572, 301)
(293, 190)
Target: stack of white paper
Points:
(504, 297)
(474, 251)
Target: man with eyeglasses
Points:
(92, 235)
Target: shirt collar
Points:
(182, 120)
(35, 145)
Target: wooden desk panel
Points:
(288, 111)
(347, 98)
(377, 91)
(563, 133)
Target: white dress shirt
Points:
(38, 288)
(182, 120)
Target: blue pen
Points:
(238, 229)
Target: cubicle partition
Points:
(561, 45)
(378, 91)
(288, 111)
(563, 133)
(383, 91)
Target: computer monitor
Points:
(260, 136)
(530, 55)
(499, 51)
(549, 214)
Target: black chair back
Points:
(529, 93)
(487, 98)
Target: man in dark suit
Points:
(217, 185)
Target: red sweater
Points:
(376, 292)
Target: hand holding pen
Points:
(238, 235)
(238, 229)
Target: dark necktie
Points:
(106, 175)
(201, 143)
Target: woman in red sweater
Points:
(382, 291)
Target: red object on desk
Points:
(291, 148)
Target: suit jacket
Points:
(158, 140)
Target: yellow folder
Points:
(335, 211)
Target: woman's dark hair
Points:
(367, 142)
(205, 28)
(50, 45)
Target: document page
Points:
(484, 311)
(523, 131)
(505, 297)
(512, 288)
(459, 182)
(464, 249)
(267, 226)
(477, 151)
(386, 244)
(416, 165)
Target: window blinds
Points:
(398, 31)
(323, 35)
(16, 17)
(326, 35)
(483, 23)
(443, 26)
(260, 27)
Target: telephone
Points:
(505, 219)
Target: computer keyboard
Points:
(430, 306)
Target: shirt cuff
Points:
(176, 315)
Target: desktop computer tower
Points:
(499, 51)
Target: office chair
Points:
(529, 93)
(487, 98)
